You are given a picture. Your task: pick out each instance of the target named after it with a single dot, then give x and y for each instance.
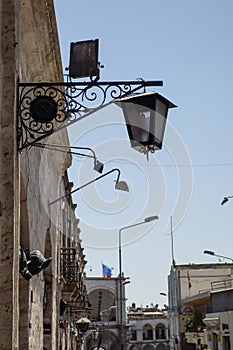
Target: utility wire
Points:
(175, 165)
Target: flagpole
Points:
(189, 283)
(172, 245)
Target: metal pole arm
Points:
(88, 183)
(223, 257)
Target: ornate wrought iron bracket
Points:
(44, 108)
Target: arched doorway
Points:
(102, 301)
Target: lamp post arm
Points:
(223, 257)
(126, 227)
(88, 149)
(96, 179)
(210, 252)
(122, 229)
(66, 149)
(86, 184)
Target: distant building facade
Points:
(190, 289)
(210, 323)
(104, 297)
(148, 328)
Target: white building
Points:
(148, 328)
(191, 285)
(104, 297)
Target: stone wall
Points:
(9, 178)
(29, 52)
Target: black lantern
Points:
(145, 116)
(83, 324)
(63, 305)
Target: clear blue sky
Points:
(188, 45)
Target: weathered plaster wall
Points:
(29, 51)
(9, 180)
(41, 170)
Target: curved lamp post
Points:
(98, 166)
(226, 199)
(146, 220)
(120, 185)
(210, 252)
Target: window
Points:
(147, 332)
(133, 334)
(160, 331)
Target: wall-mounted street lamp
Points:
(98, 166)
(145, 116)
(63, 305)
(46, 107)
(146, 220)
(82, 326)
(210, 252)
(226, 199)
(165, 295)
(120, 185)
(90, 267)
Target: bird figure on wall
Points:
(32, 263)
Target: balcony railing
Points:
(224, 284)
(69, 265)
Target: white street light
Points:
(146, 220)
(210, 252)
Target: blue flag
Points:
(107, 271)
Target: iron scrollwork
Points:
(44, 108)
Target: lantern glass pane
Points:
(160, 121)
(138, 121)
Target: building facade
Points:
(148, 328)
(219, 322)
(32, 307)
(104, 297)
(213, 329)
(189, 290)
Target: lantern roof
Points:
(146, 99)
